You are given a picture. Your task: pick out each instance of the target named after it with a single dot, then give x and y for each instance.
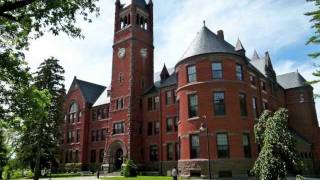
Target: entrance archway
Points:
(116, 153)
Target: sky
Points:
(279, 27)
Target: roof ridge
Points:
(90, 83)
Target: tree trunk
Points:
(0, 173)
(37, 167)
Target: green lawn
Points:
(139, 178)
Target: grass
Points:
(139, 178)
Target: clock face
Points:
(144, 52)
(121, 52)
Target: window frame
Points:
(193, 108)
(223, 151)
(216, 105)
(239, 74)
(213, 70)
(118, 128)
(246, 148)
(191, 75)
(194, 150)
(243, 104)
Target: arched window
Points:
(73, 110)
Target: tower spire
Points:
(255, 56)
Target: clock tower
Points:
(132, 74)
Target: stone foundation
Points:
(219, 168)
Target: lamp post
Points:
(206, 129)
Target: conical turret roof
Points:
(208, 42)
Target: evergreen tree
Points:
(315, 39)
(277, 146)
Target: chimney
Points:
(220, 34)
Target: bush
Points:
(129, 169)
(72, 167)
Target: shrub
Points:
(129, 169)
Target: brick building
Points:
(160, 120)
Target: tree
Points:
(315, 39)
(34, 117)
(277, 146)
(3, 152)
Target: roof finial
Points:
(204, 23)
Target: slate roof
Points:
(291, 80)
(260, 65)
(141, 3)
(90, 91)
(170, 81)
(208, 42)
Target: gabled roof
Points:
(255, 56)
(239, 46)
(208, 42)
(291, 80)
(90, 91)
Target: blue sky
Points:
(265, 25)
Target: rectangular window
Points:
(222, 145)
(219, 103)
(150, 104)
(150, 127)
(97, 135)
(263, 86)
(153, 153)
(157, 128)
(156, 103)
(168, 97)
(265, 105)
(253, 80)
(78, 135)
(101, 154)
(94, 115)
(194, 146)
(103, 113)
(255, 107)
(72, 136)
(193, 105)
(119, 104)
(170, 125)
(118, 128)
(93, 156)
(239, 72)
(93, 135)
(170, 151)
(192, 73)
(99, 114)
(217, 71)
(177, 151)
(103, 133)
(246, 145)
(176, 121)
(243, 104)
(77, 156)
(67, 157)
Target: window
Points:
(170, 125)
(101, 154)
(103, 113)
(223, 145)
(153, 153)
(243, 104)
(99, 114)
(77, 157)
(70, 137)
(93, 156)
(103, 134)
(78, 135)
(263, 86)
(93, 135)
(246, 145)
(150, 127)
(94, 115)
(70, 156)
(170, 151)
(177, 151)
(157, 128)
(265, 105)
(217, 71)
(97, 135)
(194, 146)
(255, 107)
(239, 72)
(119, 104)
(219, 103)
(176, 121)
(153, 103)
(253, 80)
(168, 97)
(121, 78)
(193, 105)
(73, 110)
(67, 157)
(192, 73)
(118, 128)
